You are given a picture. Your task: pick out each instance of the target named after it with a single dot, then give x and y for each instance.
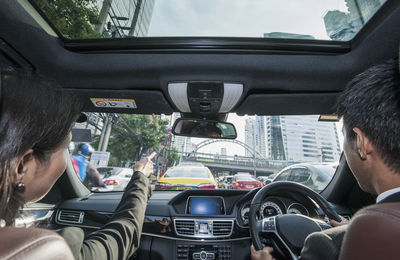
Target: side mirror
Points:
(204, 129)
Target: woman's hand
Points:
(264, 254)
(145, 165)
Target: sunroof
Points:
(337, 20)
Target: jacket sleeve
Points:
(323, 245)
(119, 238)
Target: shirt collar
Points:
(386, 194)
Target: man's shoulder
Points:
(379, 209)
(373, 232)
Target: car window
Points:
(321, 179)
(266, 146)
(283, 176)
(300, 175)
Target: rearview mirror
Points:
(204, 129)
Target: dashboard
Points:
(195, 223)
(273, 206)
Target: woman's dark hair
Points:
(35, 114)
(371, 102)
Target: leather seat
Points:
(32, 243)
(373, 233)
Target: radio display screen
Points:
(205, 206)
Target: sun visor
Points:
(124, 101)
(288, 104)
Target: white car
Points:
(115, 179)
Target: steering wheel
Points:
(288, 231)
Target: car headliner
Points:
(279, 76)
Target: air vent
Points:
(184, 227)
(71, 216)
(222, 228)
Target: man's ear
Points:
(23, 165)
(363, 144)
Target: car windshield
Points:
(187, 172)
(265, 147)
(338, 20)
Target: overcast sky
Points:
(250, 18)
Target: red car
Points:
(245, 182)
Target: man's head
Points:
(85, 150)
(370, 108)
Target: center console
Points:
(203, 251)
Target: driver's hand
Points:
(264, 254)
(145, 165)
(334, 223)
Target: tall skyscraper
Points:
(255, 136)
(124, 18)
(181, 143)
(223, 151)
(249, 135)
(308, 140)
(293, 138)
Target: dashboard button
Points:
(269, 226)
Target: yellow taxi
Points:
(185, 178)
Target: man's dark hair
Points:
(371, 102)
(34, 114)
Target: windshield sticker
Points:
(113, 102)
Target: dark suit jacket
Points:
(327, 244)
(119, 238)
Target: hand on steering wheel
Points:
(288, 231)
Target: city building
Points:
(255, 136)
(293, 138)
(181, 143)
(305, 139)
(344, 25)
(124, 18)
(249, 136)
(223, 151)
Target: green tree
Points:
(135, 135)
(75, 19)
(172, 157)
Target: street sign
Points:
(100, 159)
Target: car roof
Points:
(280, 76)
